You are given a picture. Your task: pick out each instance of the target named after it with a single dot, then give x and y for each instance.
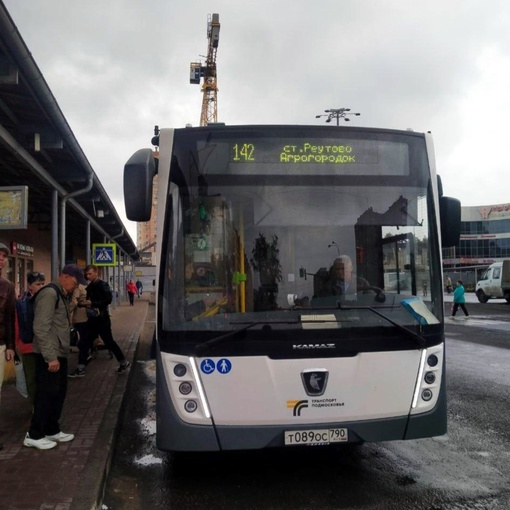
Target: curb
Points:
(92, 485)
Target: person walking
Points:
(78, 311)
(448, 284)
(459, 299)
(25, 333)
(139, 286)
(132, 290)
(52, 325)
(7, 316)
(99, 296)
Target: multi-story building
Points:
(146, 232)
(484, 239)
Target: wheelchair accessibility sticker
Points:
(223, 366)
(207, 366)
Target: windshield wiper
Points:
(419, 340)
(219, 339)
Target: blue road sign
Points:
(104, 254)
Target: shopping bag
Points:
(21, 382)
(9, 373)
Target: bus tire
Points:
(482, 297)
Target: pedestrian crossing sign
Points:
(104, 254)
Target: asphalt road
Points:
(469, 468)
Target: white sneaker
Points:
(61, 437)
(42, 444)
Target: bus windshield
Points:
(297, 229)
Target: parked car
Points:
(394, 281)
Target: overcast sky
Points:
(119, 67)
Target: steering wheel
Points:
(380, 296)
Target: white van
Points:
(394, 281)
(495, 282)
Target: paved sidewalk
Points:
(471, 298)
(72, 475)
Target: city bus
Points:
(254, 346)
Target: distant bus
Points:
(254, 347)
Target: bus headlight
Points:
(190, 406)
(183, 384)
(432, 360)
(430, 377)
(426, 395)
(180, 370)
(185, 388)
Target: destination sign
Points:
(300, 151)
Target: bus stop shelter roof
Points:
(39, 149)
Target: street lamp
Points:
(336, 245)
(337, 113)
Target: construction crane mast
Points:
(209, 111)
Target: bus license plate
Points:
(315, 437)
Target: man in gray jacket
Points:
(52, 325)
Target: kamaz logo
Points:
(313, 346)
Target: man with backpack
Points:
(52, 331)
(25, 334)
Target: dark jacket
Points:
(7, 313)
(333, 288)
(100, 294)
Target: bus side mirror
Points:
(449, 209)
(139, 172)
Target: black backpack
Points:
(25, 313)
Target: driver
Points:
(341, 280)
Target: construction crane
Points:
(208, 73)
